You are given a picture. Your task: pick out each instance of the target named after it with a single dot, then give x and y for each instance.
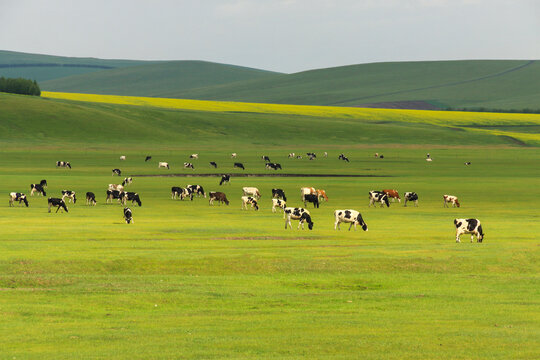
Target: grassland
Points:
(187, 280)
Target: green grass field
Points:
(188, 280)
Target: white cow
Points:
(117, 187)
(251, 191)
(163, 164)
(349, 216)
(194, 156)
(123, 157)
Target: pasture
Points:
(189, 280)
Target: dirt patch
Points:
(266, 175)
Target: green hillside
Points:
(46, 67)
(156, 79)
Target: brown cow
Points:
(219, 196)
(451, 199)
(392, 194)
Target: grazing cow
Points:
(114, 194)
(219, 196)
(123, 157)
(312, 199)
(59, 203)
(278, 193)
(194, 156)
(162, 164)
(265, 158)
(233, 156)
(325, 154)
(188, 165)
(429, 159)
(225, 178)
(20, 197)
(128, 215)
(299, 157)
(311, 154)
(116, 172)
(91, 198)
(469, 226)
(239, 165)
(291, 156)
(307, 191)
(70, 195)
(63, 164)
(274, 166)
(467, 163)
(127, 181)
(251, 191)
(322, 194)
(197, 189)
(213, 163)
(278, 203)
(38, 188)
(43, 183)
(411, 196)
(248, 200)
(392, 194)
(181, 192)
(378, 196)
(297, 214)
(116, 187)
(343, 157)
(147, 158)
(376, 155)
(349, 216)
(131, 196)
(381, 156)
(451, 199)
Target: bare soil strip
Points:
(263, 175)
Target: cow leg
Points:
(472, 237)
(416, 203)
(336, 225)
(457, 236)
(350, 226)
(58, 208)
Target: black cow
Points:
(38, 188)
(69, 194)
(312, 199)
(90, 198)
(59, 203)
(225, 178)
(147, 158)
(266, 158)
(63, 164)
(20, 197)
(239, 165)
(114, 194)
(273, 166)
(128, 216)
(43, 183)
(343, 157)
(131, 196)
(278, 193)
(213, 163)
(116, 172)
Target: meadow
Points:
(189, 280)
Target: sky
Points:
(280, 35)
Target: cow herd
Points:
(250, 198)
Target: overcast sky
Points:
(280, 35)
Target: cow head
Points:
(307, 218)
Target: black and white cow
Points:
(128, 215)
(131, 196)
(63, 164)
(225, 178)
(266, 158)
(59, 203)
(239, 165)
(70, 195)
(127, 181)
(148, 158)
(467, 163)
(349, 216)
(249, 200)
(163, 164)
(343, 157)
(273, 166)
(38, 188)
(278, 203)
(116, 172)
(20, 197)
(312, 199)
(311, 155)
(298, 214)
(197, 189)
(91, 198)
(114, 194)
(43, 183)
(214, 164)
(469, 226)
(291, 156)
(279, 193)
(178, 192)
(188, 165)
(378, 196)
(411, 196)
(194, 156)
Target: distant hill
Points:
(159, 80)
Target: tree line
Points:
(19, 86)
